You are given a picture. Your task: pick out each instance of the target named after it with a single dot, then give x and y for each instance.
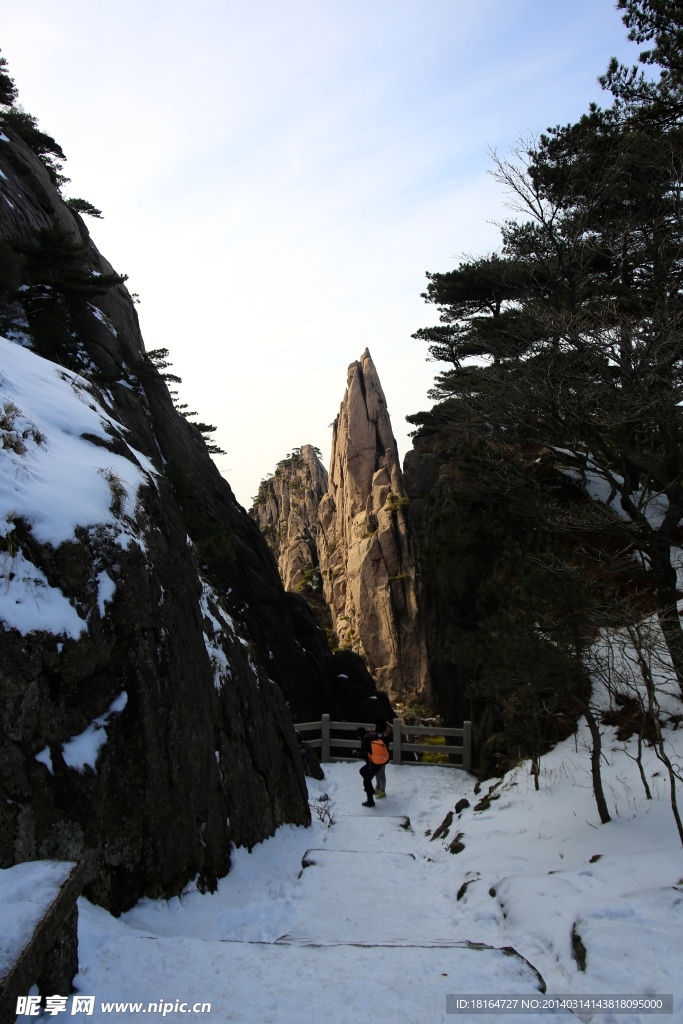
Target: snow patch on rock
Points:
(83, 750)
(54, 479)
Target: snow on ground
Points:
(385, 917)
(605, 486)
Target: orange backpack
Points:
(379, 753)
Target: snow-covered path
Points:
(384, 915)
(372, 877)
(327, 918)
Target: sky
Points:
(277, 177)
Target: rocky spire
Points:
(365, 550)
(286, 510)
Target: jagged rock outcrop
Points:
(365, 549)
(348, 536)
(286, 511)
(146, 706)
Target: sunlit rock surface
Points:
(366, 553)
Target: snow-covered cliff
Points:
(148, 653)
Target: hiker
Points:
(384, 732)
(375, 753)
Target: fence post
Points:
(397, 741)
(467, 746)
(325, 737)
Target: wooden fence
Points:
(397, 745)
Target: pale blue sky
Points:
(276, 176)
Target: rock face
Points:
(177, 666)
(365, 548)
(286, 511)
(344, 542)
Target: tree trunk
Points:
(664, 757)
(639, 762)
(596, 754)
(653, 710)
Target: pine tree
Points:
(560, 415)
(659, 101)
(159, 358)
(48, 151)
(8, 90)
(82, 206)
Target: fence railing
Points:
(397, 744)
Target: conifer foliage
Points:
(159, 358)
(82, 206)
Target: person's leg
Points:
(381, 781)
(367, 772)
